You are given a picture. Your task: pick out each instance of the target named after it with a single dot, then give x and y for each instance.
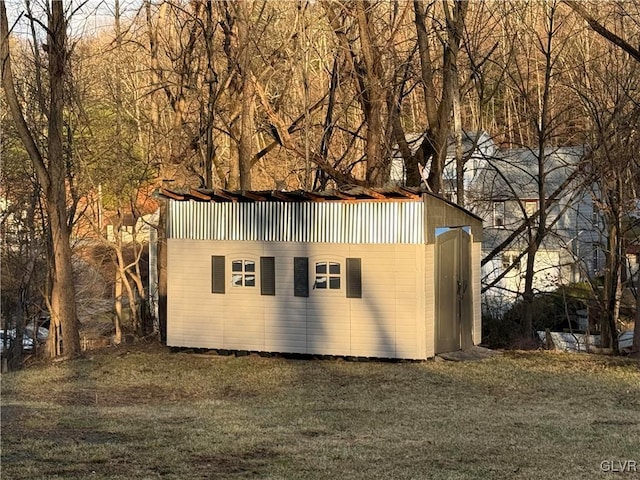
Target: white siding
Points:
(476, 257)
(388, 321)
(430, 300)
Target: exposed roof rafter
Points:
(357, 194)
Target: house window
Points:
(328, 276)
(595, 257)
(498, 214)
(510, 259)
(243, 273)
(530, 207)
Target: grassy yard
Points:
(149, 413)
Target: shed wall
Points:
(430, 300)
(388, 321)
(476, 258)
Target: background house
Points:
(391, 273)
(505, 194)
(501, 187)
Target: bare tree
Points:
(608, 95)
(51, 170)
(439, 114)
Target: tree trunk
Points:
(457, 131)
(162, 271)
(212, 83)
(374, 98)
(528, 293)
(117, 317)
(612, 287)
(63, 291)
(247, 129)
(247, 96)
(435, 143)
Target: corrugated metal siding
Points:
(320, 222)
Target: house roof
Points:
(471, 141)
(517, 169)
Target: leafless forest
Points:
(285, 95)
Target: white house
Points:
(502, 188)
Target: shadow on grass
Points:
(200, 416)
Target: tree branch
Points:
(14, 104)
(602, 30)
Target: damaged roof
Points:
(350, 195)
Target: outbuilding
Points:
(388, 273)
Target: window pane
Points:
(530, 207)
(249, 266)
(236, 266)
(236, 280)
(321, 267)
(334, 283)
(334, 268)
(249, 280)
(321, 282)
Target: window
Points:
(595, 259)
(498, 214)
(243, 273)
(530, 207)
(506, 261)
(510, 259)
(327, 276)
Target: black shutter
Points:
(217, 274)
(267, 276)
(301, 276)
(354, 278)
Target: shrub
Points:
(553, 310)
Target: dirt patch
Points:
(472, 354)
(243, 464)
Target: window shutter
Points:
(267, 276)
(217, 274)
(301, 276)
(354, 278)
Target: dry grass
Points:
(149, 413)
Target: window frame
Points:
(528, 204)
(498, 213)
(244, 273)
(328, 275)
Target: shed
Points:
(387, 273)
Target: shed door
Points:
(453, 290)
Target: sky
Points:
(89, 17)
